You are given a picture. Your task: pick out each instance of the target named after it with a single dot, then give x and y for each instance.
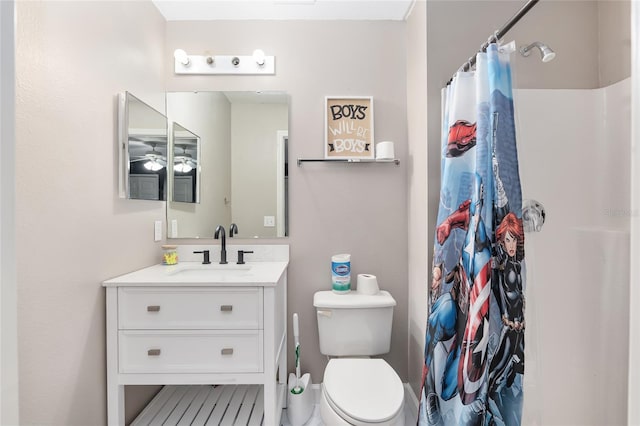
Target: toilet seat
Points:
(363, 391)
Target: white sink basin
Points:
(210, 271)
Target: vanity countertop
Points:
(263, 274)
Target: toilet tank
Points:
(354, 324)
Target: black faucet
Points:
(241, 254)
(233, 229)
(219, 234)
(205, 254)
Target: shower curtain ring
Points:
(493, 38)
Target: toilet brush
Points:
(300, 401)
(297, 389)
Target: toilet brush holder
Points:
(299, 405)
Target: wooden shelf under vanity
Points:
(200, 404)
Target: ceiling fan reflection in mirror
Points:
(154, 160)
(184, 162)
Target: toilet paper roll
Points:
(384, 151)
(367, 284)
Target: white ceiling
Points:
(210, 10)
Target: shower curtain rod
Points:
(498, 34)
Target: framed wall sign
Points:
(349, 127)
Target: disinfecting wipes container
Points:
(341, 273)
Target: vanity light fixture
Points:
(257, 63)
(258, 56)
(181, 57)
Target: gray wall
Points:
(418, 205)
(72, 230)
(614, 41)
(334, 208)
(634, 293)
(9, 412)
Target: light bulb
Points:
(182, 168)
(181, 56)
(258, 56)
(153, 165)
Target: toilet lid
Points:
(367, 390)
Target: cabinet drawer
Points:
(190, 308)
(190, 351)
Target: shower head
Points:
(545, 51)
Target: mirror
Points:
(186, 165)
(143, 150)
(242, 163)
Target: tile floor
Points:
(315, 420)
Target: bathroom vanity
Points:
(200, 324)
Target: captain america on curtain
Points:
(474, 342)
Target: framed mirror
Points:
(143, 150)
(186, 165)
(242, 161)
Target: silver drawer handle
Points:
(226, 351)
(153, 308)
(153, 352)
(226, 308)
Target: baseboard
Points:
(411, 403)
(316, 393)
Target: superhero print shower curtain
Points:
(474, 343)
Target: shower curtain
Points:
(474, 343)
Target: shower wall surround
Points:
(574, 149)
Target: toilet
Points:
(356, 389)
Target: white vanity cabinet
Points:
(166, 328)
(190, 330)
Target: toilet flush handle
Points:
(324, 313)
